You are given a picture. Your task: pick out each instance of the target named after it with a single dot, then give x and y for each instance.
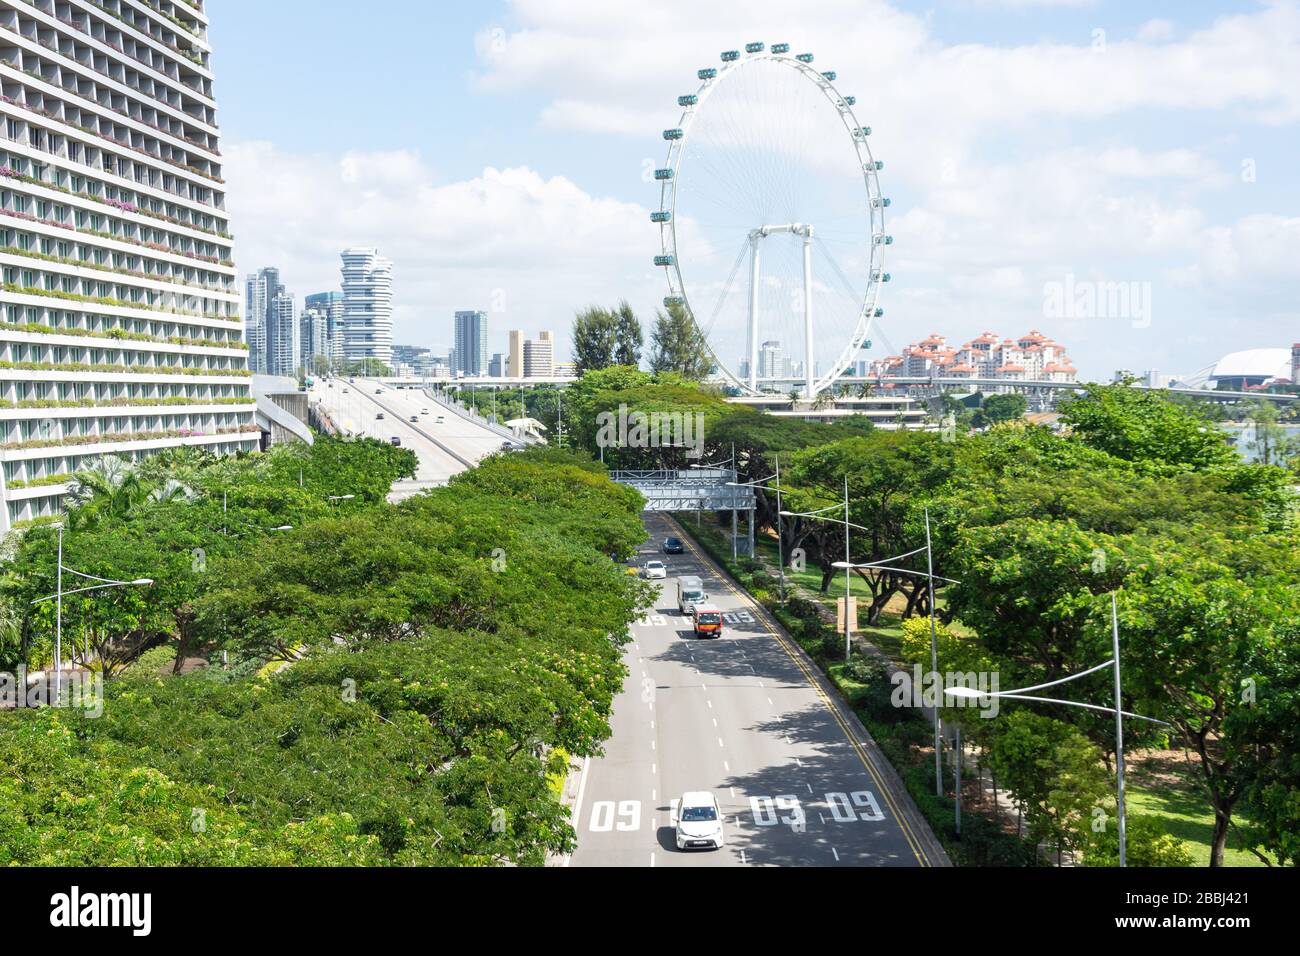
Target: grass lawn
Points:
(1160, 785)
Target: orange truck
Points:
(708, 622)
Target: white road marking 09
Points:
(603, 816)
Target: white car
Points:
(699, 822)
(655, 569)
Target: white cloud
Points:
(534, 249)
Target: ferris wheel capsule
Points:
(689, 99)
(665, 260)
(830, 75)
(880, 203)
(708, 73)
(730, 56)
(850, 101)
(753, 48)
(673, 300)
(661, 217)
(780, 48)
(804, 57)
(673, 134)
(662, 174)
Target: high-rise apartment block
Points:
(367, 306)
(121, 332)
(471, 344)
(539, 356)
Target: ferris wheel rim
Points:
(868, 312)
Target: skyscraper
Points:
(330, 305)
(283, 335)
(114, 224)
(260, 291)
(367, 306)
(471, 344)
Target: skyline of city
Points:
(996, 199)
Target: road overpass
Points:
(445, 444)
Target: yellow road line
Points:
(861, 751)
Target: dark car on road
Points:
(674, 546)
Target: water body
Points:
(1243, 435)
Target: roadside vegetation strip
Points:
(447, 653)
(928, 852)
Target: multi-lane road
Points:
(444, 448)
(748, 718)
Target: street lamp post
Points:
(847, 563)
(1023, 694)
(780, 544)
(930, 577)
(57, 597)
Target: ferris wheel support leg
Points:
(753, 313)
(808, 365)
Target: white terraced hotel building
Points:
(120, 331)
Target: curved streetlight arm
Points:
(972, 692)
(818, 516)
(91, 577)
(143, 582)
(1063, 680)
(886, 567)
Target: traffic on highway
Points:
(738, 718)
(445, 442)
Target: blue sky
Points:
(496, 151)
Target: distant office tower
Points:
(313, 336)
(539, 356)
(282, 336)
(515, 354)
(255, 321)
(1295, 364)
(260, 290)
(497, 366)
(771, 361)
(330, 304)
(367, 306)
(120, 302)
(471, 343)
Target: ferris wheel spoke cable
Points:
(726, 289)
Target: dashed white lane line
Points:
(742, 857)
(652, 745)
(715, 721)
(732, 789)
(652, 858)
(727, 767)
(837, 854)
(809, 786)
(719, 741)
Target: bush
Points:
(1147, 844)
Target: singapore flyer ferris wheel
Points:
(772, 221)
